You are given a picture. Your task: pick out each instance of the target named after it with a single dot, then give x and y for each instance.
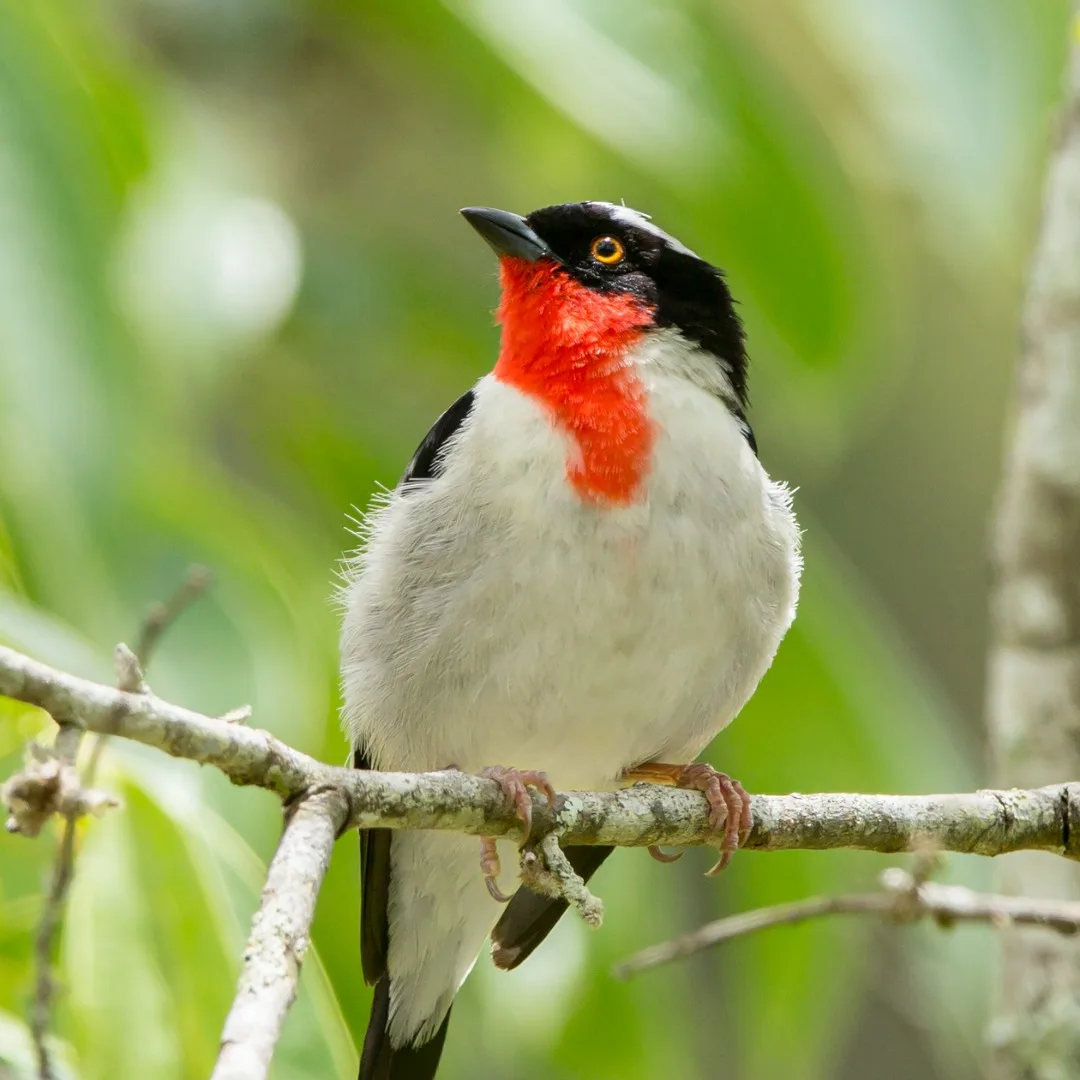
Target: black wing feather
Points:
(374, 893)
(381, 1061)
(427, 463)
(530, 917)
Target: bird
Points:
(580, 579)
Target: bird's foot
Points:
(515, 784)
(729, 804)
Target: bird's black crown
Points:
(687, 292)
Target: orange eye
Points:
(607, 250)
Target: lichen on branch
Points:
(982, 822)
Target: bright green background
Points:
(234, 292)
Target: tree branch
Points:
(904, 899)
(280, 935)
(983, 822)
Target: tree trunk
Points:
(1033, 699)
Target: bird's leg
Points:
(729, 804)
(515, 784)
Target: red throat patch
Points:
(566, 344)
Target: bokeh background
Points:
(234, 292)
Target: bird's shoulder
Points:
(427, 462)
(493, 441)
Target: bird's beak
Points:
(508, 234)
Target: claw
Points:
(490, 867)
(515, 784)
(662, 856)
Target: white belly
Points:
(496, 619)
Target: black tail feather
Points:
(530, 916)
(380, 1061)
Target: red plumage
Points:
(566, 345)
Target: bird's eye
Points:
(607, 250)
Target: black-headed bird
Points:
(581, 578)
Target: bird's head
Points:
(592, 279)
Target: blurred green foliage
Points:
(234, 292)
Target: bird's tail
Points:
(381, 1061)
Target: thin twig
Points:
(548, 871)
(51, 917)
(66, 750)
(129, 677)
(280, 936)
(131, 664)
(905, 899)
(749, 922)
(162, 615)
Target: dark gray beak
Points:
(508, 234)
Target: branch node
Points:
(48, 785)
(240, 715)
(66, 746)
(129, 672)
(548, 871)
(905, 888)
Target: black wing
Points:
(379, 1060)
(748, 432)
(530, 917)
(426, 463)
(374, 893)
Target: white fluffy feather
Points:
(494, 618)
